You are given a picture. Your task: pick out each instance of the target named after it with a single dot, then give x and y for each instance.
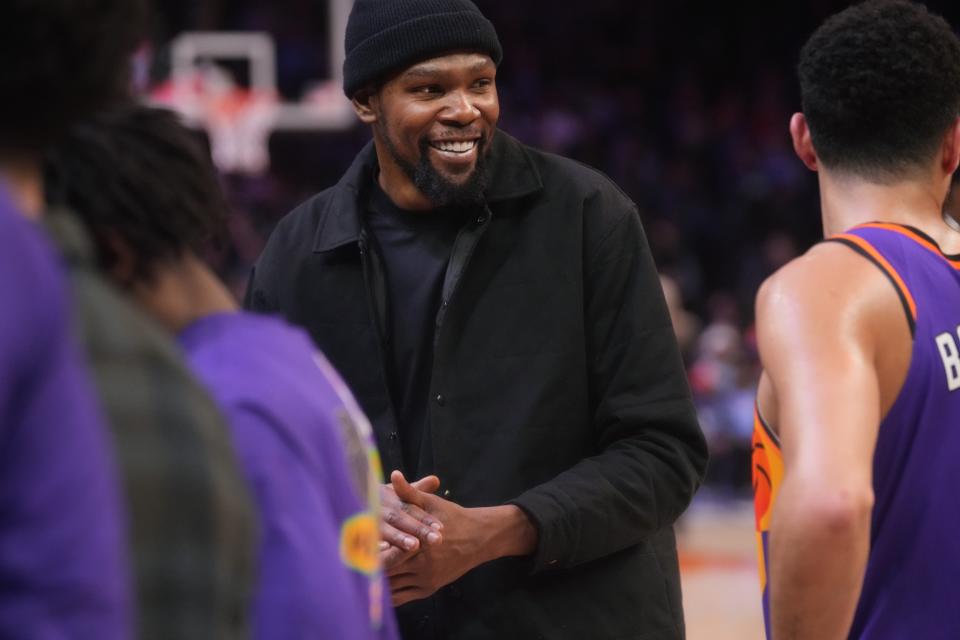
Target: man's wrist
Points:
(510, 532)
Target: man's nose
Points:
(460, 108)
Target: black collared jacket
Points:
(557, 386)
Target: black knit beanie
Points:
(389, 35)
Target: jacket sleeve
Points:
(263, 286)
(272, 287)
(256, 297)
(651, 454)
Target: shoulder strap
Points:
(861, 245)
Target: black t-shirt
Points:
(415, 247)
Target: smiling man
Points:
(498, 316)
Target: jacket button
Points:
(443, 304)
(440, 399)
(446, 493)
(394, 435)
(481, 219)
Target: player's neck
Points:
(24, 180)
(183, 292)
(850, 201)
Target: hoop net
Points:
(239, 124)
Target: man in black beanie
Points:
(496, 311)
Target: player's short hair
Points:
(880, 86)
(61, 60)
(135, 174)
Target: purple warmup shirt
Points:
(63, 570)
(307, 452)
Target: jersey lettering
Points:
(951, 359)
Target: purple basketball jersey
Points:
(910, 587)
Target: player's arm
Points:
(817, 333)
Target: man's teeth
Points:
(456, 147)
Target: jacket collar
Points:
(513, 174)
(71, 238)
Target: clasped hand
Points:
(427, 542)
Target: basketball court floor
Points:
(718, 565)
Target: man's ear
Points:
(950, 151)
(802, 143)
(122, 269)
(364, 105)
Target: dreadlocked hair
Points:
(136, 175)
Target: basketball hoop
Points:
(238, 119)
(239, 124)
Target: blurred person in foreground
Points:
(188, 518)
(857, 436)
(496, 311)
(292, 420)
(63, 549)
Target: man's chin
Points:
(458, 179)
(450, 183)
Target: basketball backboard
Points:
(239, 116)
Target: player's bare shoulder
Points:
(833, 300)
(829, 284)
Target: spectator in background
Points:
(188, 519)
(685, 324)
(496, 310)
(723, 383)
(292, 420)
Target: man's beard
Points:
(437, 188)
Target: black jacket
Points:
(557, 386)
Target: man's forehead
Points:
(458, 61)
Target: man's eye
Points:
(483, 83)
(428, 89)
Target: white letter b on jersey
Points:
(951, 360)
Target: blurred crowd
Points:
(685, 108)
